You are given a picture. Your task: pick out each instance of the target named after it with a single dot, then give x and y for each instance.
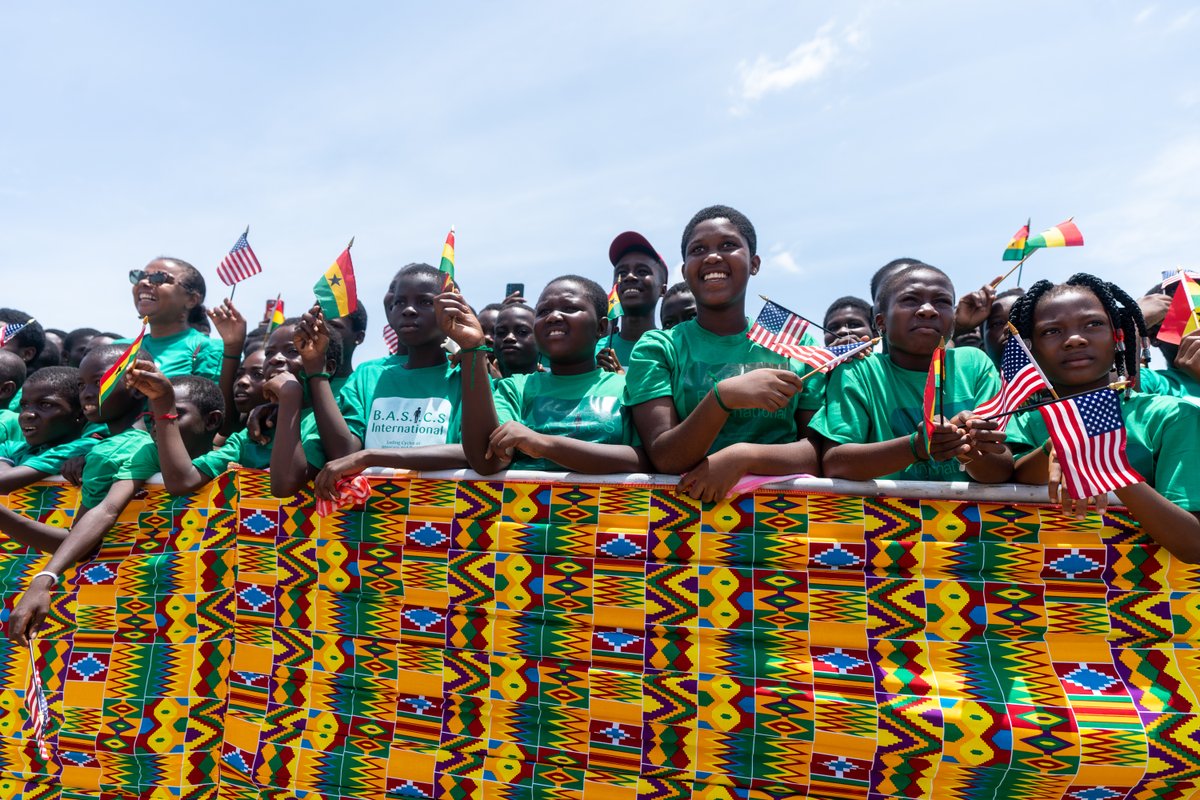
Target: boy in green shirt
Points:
(191, 421)
(709, 403)
(678, 306)
(164, 293)
(107, 487)
(516, 347)
(874, 415)
(640, 277)
(400, 412)
(571, 417)
(52, 429)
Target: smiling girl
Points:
(571, 417)
(873, 419)
(1081, 332)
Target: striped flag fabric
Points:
(36, 706)
(826, 358)
(241, 262)
(336, 290)
(614, 304)
(779, 330)
(1064, 234)
(934, 386)
(112, 377)
(1016, 249)
(1020, 377)
(1089, 440)
(446, 265)
(1183, 315)
(391, 339)
(10, 330)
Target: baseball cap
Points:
(631, 240)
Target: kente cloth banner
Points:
(488, 639)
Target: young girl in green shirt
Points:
(873, 422)
(1081, 332)
(709, 403)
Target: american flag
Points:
(36, 705)
(1020, 377)
(10, 330)
(779, 329)
(391, 339)
(1089, 439)
(240, 264)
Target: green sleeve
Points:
(1152, 382)
(141, 464)
(1175, 475)
(1026, 432)
(651, 365)
(845, 417)
(10, 427)
(507, 395)
(353, 403)
(310, 440)
(812, 397)
(216, 462)
(207, 363)
(12, 451)
(50, 461)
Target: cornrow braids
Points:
(1123, 313)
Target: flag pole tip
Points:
(351, 243)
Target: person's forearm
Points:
(781, 459)
(436, 456)
(1033, 468)
(1166, 523)
(179, 475)
(14, 478)
(991, 468)
(87, 533)
(336, 439)
(30, 532)
(289, 464)
(864, 462)
(479, 418)
(684, 446)
(593, 458)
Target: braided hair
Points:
(1123, 313)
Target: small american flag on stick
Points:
(241, 262)
(1020, 377)
(1089, 439)
(36, 705)
(10, 330)
(391, 339)
(778, 329)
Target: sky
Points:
(849, 133)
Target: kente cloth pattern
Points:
(481, 639)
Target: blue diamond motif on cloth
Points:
(837, 557)
(88, 667)
(614, 734)
(79, 759)
(237, 760)
(423, 618)
(842, 662)
(621, 548)
(254, 597)
(258, 522)
(618, 639)
(427, 536)
(419, 704)
(1095, 793)
(840, 766)
(408, 790)
(98, 573)
(1074, 564)
(1090, 679)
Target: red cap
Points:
(631, 240)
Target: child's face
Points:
(280, 354)
(48, 416)
(718, 264)
(919, 312)
(846, 321)
(167, 301)
(118, 402)
(677, 308)
(1073, 338)
(995, 329)
(410, 312)
(248, 382)
(516, 348)
(565, 323)
(638, 280)
(193, 425)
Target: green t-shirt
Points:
(47, 460)
(108, 461)
(239, 448)
(187, 353)
(684, 363)
(388, 406)
(10, 427)
(1176, 383)
(873, 400)
(1162, 442)
(585, 407)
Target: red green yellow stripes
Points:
(111, 379)
(276, 314)
(446, 266)
(614, 304)
(1064, 234)
(934, 385)
(1183, 316)
(336, 290)
(1016, 249)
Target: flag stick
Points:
(351, 243)
(1002, 278)
(1116, 386)
(842, 358)
(232, 291)
(801, 316)
(942, 382)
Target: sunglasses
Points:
(153, 278)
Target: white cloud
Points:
(807, 63)
(781, 259)
(1181, 22)
(1144, 15)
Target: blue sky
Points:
(850, 133)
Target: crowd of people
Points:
(676, 387)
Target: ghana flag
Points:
(1181, 318)
(276, 314)
(1016, 249)
(112, 376)
(1064, 234)
(446, 266)
(336, 291)
(614, 304)
(934, 386)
